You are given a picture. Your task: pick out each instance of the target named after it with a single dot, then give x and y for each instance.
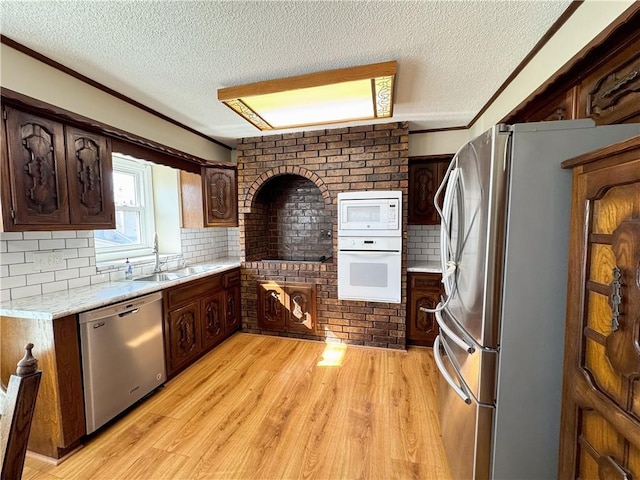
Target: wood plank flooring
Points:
(261, 407)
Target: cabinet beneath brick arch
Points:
(287, 306)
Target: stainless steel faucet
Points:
(157, 267)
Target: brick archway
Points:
(247, 204)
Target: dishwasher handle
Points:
(124, 314)
(120, 309)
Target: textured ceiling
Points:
(173, 56)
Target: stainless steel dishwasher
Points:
(122, 356)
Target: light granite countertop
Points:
(424, 267)
(77, 300)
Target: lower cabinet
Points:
(198, 316)
(425, 290)
(287, 307)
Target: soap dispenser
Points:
(128, 270)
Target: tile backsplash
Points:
(20, 276)
(423, 244)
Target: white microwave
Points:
(370, 213)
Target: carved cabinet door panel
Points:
(425, 176)
(184, 334)
(301, 309)
(272, 306)
(36, 171)
(212, 318)
(232, 309)
(424, 291)
(220, 197)
(89, 170)
(600, 435)
(611, 93)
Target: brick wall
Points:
(347, 159)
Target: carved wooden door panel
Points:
(425, 291)
(423, 182)
(301, 308)
(425, 176)
(220, 197)
(89, 170)
(271, 306)
(611, 93)
(232, 309)
(184, 334)
(36, 171)
(213, 321)
(600, 436)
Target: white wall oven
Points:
(370, 246)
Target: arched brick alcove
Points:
(287, 216)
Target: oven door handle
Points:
(370, 253)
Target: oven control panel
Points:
(385, 244)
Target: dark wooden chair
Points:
(17, 404)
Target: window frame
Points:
(142, 171)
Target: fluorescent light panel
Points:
(357, 93)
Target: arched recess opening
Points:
(288, 220)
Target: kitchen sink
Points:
(178, 273)
(161, 277)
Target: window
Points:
(133, 196)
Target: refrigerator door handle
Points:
(450, 334)
(439, 363)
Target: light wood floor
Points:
(261, 407)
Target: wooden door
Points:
(89, 170)
(220, 197)
(232, 309)
(271, 306)
(600, 436)
(35, 177)
(425, 176)
(184, 335)
(425, 290)
(301, 308)
(212, 318)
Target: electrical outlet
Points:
(47, 261)
(325, 234)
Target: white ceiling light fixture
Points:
(357, 93)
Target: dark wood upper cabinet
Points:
(89, 168)
(611, 93)
(425, 176)
(220, 197)
(35, 179)
(55, 177)
(601, 82)
(560, 106)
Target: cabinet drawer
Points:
(232, 278)
(189, 291)
(425, 280)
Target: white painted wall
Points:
(23, 74)
(591, 18)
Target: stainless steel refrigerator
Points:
(505, 229)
